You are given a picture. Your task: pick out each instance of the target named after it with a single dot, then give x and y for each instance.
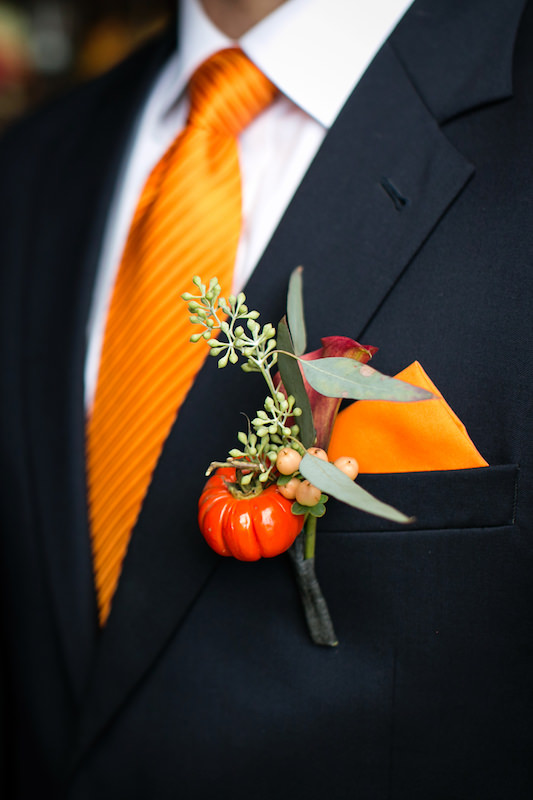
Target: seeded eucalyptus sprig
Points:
(215, 313)
(273, 427)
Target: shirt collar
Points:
(314, 51)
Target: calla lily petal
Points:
(342, 347)
(325, 409)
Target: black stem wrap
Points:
(315, 607)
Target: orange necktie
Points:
(187, 222)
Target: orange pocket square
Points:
(404, 437)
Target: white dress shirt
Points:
(315, 51)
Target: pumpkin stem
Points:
(240, 493)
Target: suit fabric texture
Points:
(415, 227)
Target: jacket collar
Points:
(459, 55)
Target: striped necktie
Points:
(187, 222)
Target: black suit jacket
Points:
(204, 683)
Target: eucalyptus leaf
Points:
(334, 482)
(345, 377)
(295, 312)
(293, 382)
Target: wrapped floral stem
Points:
(315, 608)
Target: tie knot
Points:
(227, 92)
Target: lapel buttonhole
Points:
(398, 199)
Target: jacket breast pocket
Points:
(445, 587)
(484, 497)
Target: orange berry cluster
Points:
(288, 462)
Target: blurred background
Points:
(48, 45)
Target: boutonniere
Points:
(265, 498)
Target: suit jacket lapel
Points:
(383, 178)
(61, 290)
